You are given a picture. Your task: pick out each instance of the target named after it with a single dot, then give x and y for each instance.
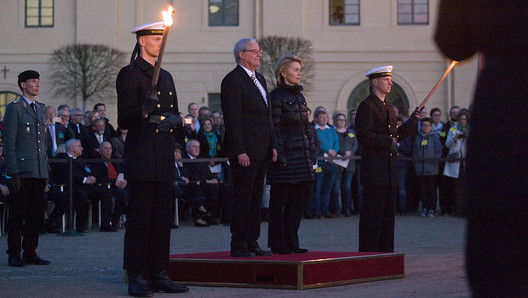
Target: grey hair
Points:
(69, 143)
(283, 62)
(105, 142)
(188, 145)
(75, 110)
(240, 46)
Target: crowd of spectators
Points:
(431, 167)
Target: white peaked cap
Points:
(383, 71)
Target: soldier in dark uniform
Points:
(150, 113)
(27, 165)
(497, 159)
(377, 132)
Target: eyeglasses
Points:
(253, 51)
(340, 119)
(78, 115)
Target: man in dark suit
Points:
(58, 133)
(27, 165)
(95, 138)
(85, 187)
(101, 109)
(108, 173)
(80, 131)
(249, 143)
(377, 132)
(150, 113)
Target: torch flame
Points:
(167, 16)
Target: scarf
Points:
(212, 140)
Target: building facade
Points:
(349, 38)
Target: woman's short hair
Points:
(88, 120)
(284, 61)
(337, 115)
(463, 112)
(317, 113)
(202, 122)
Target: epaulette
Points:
(16, 101)
(40, 103)
(453, 128)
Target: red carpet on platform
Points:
(296, 271)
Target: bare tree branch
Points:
(86, 70)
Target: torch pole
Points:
(162, 50)
(160, 56)
(442, 78)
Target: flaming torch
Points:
(167, 18)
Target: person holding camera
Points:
(454, 167)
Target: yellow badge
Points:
(318, 170)
(442, 134)
(424, 142)
(351, 135)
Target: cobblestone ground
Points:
(90, 266)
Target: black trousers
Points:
(92, 192)
(376, 221)
(285, 213)
(248, 187)
(60, 200)
(26, 216)
(428, 191)
(147, 236)
(496, 258)
(121, 201)
(447, 194)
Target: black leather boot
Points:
(161, 282)
(137, 286)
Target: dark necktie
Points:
(32, 105)
(254, 78)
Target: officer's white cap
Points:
(150, 29)
(383, 71)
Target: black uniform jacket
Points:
(248, 125)
(149, 155)
(375, 128)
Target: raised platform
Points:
(314, 269)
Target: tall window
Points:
(5, 98)
(223, 12)
(413, 12)
(39, 13)
(344, 12)
(213, 102)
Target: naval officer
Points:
(150, 113)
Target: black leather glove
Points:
(15, 183)
(394, 147)
(150, 100)
(281, 160)
(416, 114)
(171, 121)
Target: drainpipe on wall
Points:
(258, 19)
